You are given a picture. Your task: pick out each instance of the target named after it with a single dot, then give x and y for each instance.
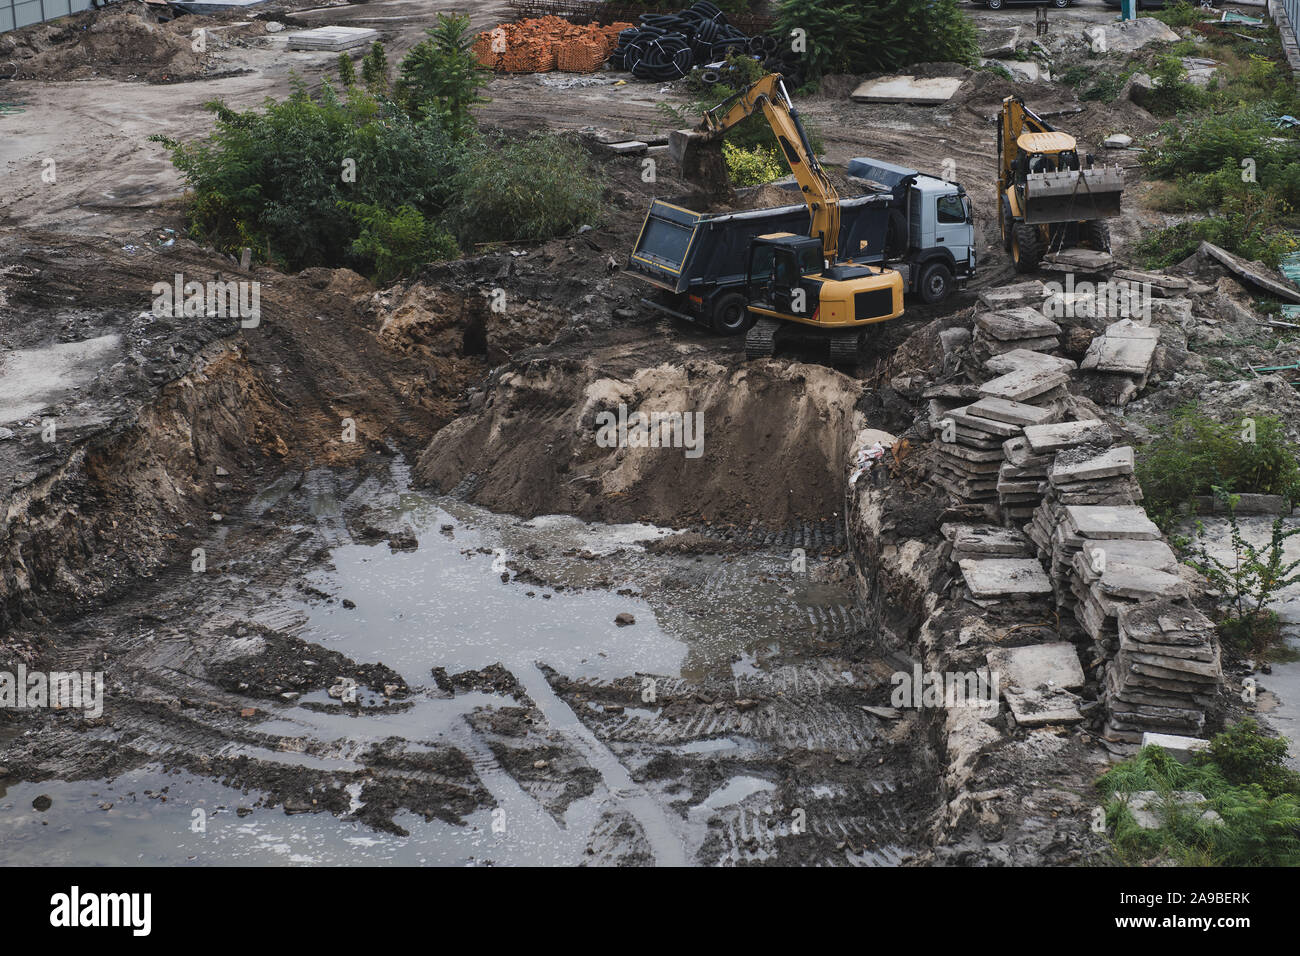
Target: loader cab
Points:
(1044, 153)
(778, 264)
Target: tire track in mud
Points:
(665, 841)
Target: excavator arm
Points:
(769, 95)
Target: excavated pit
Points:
(501, 714)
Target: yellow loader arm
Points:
(770, 96)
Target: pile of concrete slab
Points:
(973, 440)
(1165, 674)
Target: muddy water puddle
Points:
(538, 597)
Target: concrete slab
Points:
(1023, 384)
(1100, 522)
(1038, 709)
(1037, 666)
(964, 417)
(1180, 748)
(1031, 293)
(1139, 583)
(998, 41)
(1125, 356)
(1005, 577)
(1071, 465)
(989, 539)
(911, 90)
(1058, 435)
(1027, 358)
(1080, 260)
(331, 38)
(1018, 323)
(1129, 35)
(1010, 413)
(1148, 554)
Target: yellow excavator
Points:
(795, 284)
(1048, 200)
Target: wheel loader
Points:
(1048, 200)
(795, 285)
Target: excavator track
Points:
(760, 340)
(846, 347)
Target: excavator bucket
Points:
(699, 157)
(1072, 195)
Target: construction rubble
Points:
(1066, 532)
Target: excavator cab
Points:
(777, 267)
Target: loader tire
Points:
(731, 315)
(1026, 247)
(1095, 234)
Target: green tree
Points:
(374, 69)
(441, 75)
(347, 73)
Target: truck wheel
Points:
(1026, 247)
(993, 4)
(731, 315)
(1095, 234)
(936, 283)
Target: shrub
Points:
(374, 69)
(396, 243)
(441, 75)
(1171, 93)
(1243, 781)
(347, 72)
(274, 180)
(1245, 756)
(752, 167)
(534, 188)
(1197, 454)
(868, 36)
(1180, 14)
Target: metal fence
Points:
(23, 13)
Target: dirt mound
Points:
(122, 41)
(759, 443)
(984, 92)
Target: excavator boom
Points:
(698, 150)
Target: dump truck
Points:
(795, 284)
(918, 225)
(1049, 200)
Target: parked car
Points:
(998, 4)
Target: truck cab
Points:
(930, 233)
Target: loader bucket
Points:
(1073, 195)
(699, 156)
